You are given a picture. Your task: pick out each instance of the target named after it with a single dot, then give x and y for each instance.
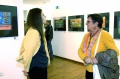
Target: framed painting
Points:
(117, 25)
(105, 24)
(60, 24)
(8, 21)
(76, 23)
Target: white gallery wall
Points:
(46, 8)
(9, 47)
(66, 43)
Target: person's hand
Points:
(25, 73)
(94, 60)
(88, 60)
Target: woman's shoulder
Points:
(32, 29)
(104, 32)
(86, 34)
(32, 32)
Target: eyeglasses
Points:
(89, 21)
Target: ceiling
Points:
(35, 2)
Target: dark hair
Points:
(96, 18)
(34, 20)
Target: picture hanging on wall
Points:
(117, 25)
(76, 23)
(8, 21)
(60, 23)
(105, 24)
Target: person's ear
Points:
(96, 23)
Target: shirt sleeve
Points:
(109, 42)
(81, 54)
(22, 48)
(31, 43)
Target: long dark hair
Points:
(34, 20)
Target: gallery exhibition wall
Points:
(9, 46)
(46, 8)
(66, 41)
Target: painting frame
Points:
(105, 24)
(76, 23)
(116, 25)
(8, 21)
(60, 23)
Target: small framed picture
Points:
(117, 25)
(60, 24)
(76, 23)
(105, 24)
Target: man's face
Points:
(90, 24)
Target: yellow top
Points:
(106, 42)
(29, 47)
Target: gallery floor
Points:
(62, 68)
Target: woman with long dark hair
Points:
(33, 52)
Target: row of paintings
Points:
(76, 23)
